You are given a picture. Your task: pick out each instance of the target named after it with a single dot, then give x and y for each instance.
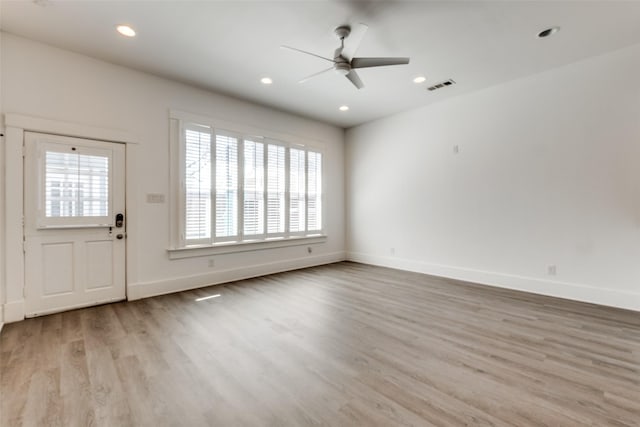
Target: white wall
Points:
(42, 81)
(548, 173)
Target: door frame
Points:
(12, 284)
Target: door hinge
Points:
(24, 151)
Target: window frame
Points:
(179, 245)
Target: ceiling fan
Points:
(344, 60)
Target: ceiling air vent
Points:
(441, 85)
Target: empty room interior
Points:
(319, 213)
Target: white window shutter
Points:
(226, 186)
(197, 181)
(297, 190)
(276, 185)
(234, 188)
(76, 185)
(253, 194)
(314, 190)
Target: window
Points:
(314, 191)
(226, 178)
(297, 191)
(74, 185)
(198, 184)
(276, 188)
(237, 188)
(253, 188)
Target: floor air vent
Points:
(441, 84)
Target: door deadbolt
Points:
(119, 220)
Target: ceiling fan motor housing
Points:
(342, 68)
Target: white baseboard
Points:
(573, 291)
(160, 287)
(13, 311)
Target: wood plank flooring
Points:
(338, 345)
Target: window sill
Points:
(236, 247)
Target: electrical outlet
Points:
(212, 262)
(552, 270)
(392, 251)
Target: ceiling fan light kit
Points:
(344, 61)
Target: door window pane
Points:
(76, 185)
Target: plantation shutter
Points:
(226, 186)
(253, 202)
(296, 191)
(314, 188)
(197, 185)
(276, 187)
(234, 188)
(76, 185)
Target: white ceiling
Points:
(227, 46)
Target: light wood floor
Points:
(340, 345)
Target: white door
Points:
(74, 224)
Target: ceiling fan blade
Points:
(315, 74)
(355, 79)
(377, 62)
(354, 40)
(307, 53)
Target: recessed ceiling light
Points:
(549, 31)
(266, 81)
(126, 30)
(419, 79)
(344, 108)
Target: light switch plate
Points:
(155, 198)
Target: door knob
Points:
(119, 236)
